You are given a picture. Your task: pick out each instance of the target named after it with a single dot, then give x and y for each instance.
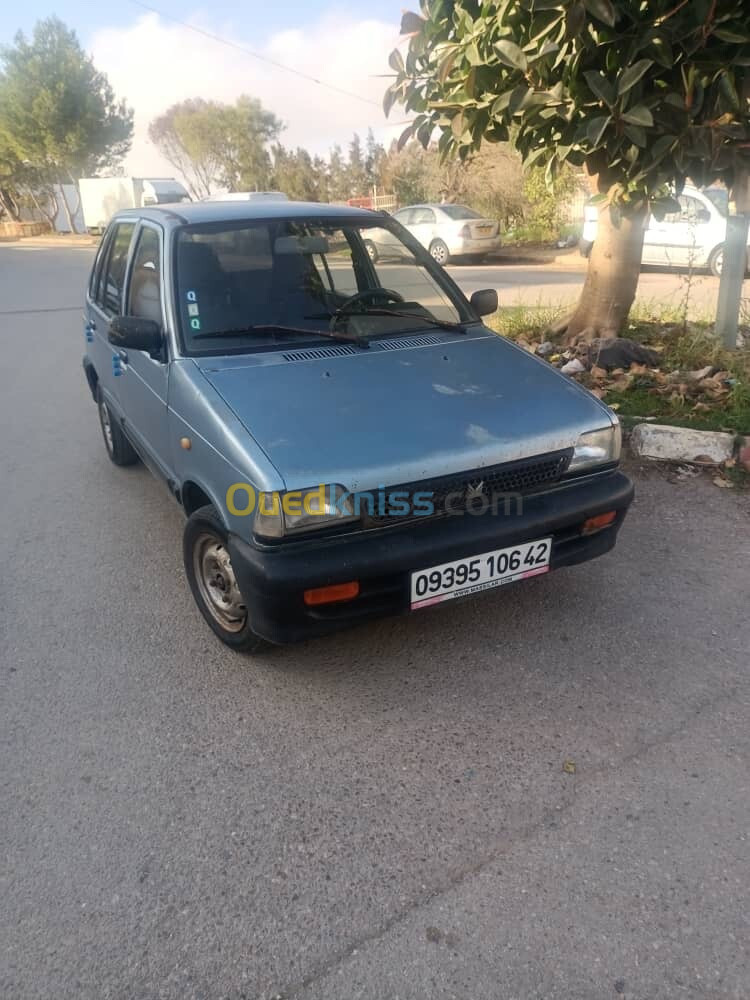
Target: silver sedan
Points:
(447, 231)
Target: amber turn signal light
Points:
(593, 524)
(329, 595)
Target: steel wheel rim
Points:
(719, 261)
(106, 426)
(370, 250)
(438, 253)
(217, 583)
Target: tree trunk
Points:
(612, 278)
(9, 205)
(66, 209)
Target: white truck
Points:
(101, 197)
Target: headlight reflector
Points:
(597, 448)
(297, 511)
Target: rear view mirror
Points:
(300, 244)
(484, 301)
(703, 215)
(137, 334)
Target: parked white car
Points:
(693, 236)
(447, 231)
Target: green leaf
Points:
(396, 61)
(639, 115)
(632, 75)
(600, 86)
(500, 104)
(389, 99)
(727, 35)
(575, 20)
(458, 125)
(636, 134)
(472, 54)
(510, 54)
(405, 136)
(596, 128)
(411, 23)
(661, 147)
(446, 64)
(603, 10)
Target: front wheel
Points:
(213, 583)
(440, 253)
(716, 261)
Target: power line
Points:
(256, 55)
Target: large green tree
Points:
(642, 94)
(213, 144)
(59, 117)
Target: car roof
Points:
(193, 212)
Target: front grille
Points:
(467, 490)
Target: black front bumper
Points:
(273, 578)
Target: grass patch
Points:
(527, 322)
(635, 404)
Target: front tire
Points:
(119, 449)
(213, 584)
(440, 253)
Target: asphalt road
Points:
(381, 815)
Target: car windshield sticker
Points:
(193, 311)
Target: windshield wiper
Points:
(441, 324)
(262, 329)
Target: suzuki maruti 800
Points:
(345, 436)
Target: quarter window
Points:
(145, 278)
(109, 293)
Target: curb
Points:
(666, 443)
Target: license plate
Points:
(469, 576)
(484, 229)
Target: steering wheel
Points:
(370, 293)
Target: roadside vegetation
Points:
(695, 382)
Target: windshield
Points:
(459, 212)
(250, 285)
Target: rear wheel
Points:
(439, 252)
(119, 449)
(213, 582)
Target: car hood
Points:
(402, 410)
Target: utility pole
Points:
(735, 261)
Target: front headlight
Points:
(297, 511)
(597, 448)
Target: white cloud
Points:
(155, 63)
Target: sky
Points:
(153, 61)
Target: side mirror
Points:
(484, 301)
(137, 334)
(703, 215)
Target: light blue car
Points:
(346, 438)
